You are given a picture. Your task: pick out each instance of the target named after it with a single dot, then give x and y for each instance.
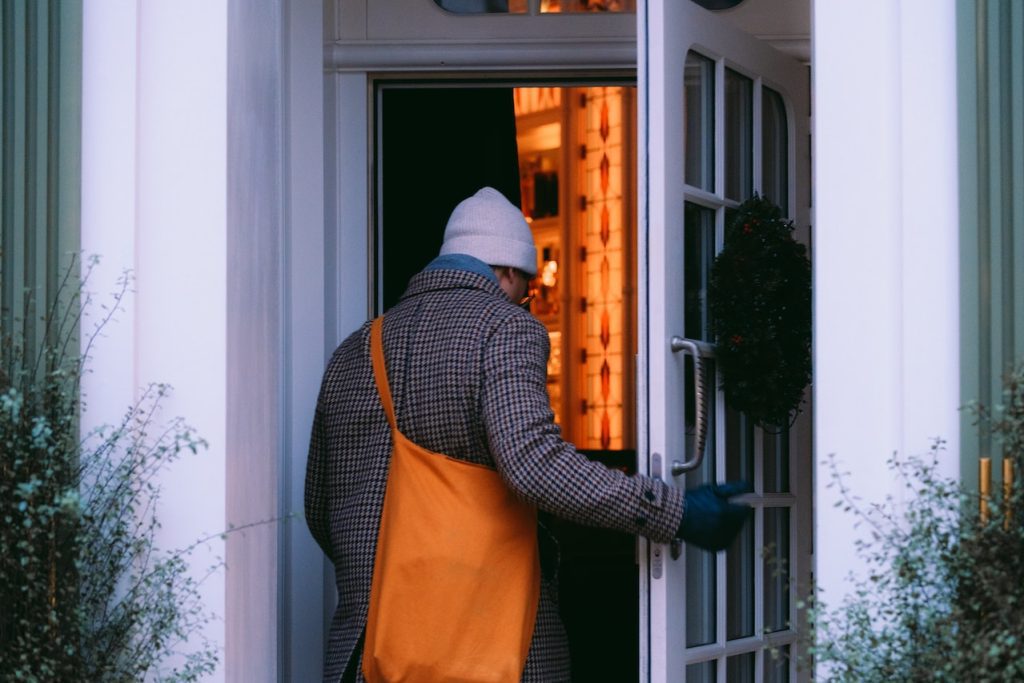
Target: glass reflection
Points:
(739, 446)
(699, 121)
(700, 596)
(702, 672)
(739, 136)
(740, 669)
(739, 585)
(776, 569)
(776, 461)
(701, 574)
(776, 665)
(699, 238)
(775, 149)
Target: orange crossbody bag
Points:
(456, 576)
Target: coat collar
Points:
(444, 279)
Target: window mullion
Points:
(719, 132)
(757, 138)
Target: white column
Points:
(108, 200)
(885, 252)
(181, 259)
(154, 190)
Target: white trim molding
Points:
(505, 54)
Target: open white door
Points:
(722, 115)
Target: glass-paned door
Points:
(722, 116)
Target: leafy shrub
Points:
(85, 592)
(943, 597)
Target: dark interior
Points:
(439, 145)
(599, 592)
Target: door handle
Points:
(678, 344)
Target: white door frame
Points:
(365, 48)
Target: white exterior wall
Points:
(886, 315)
(153, 191)
(885, 249)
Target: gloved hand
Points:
(710, 521)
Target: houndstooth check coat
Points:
(468, 375)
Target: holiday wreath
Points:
(760, 293)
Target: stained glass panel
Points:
(607, 344)
(552, 6)
(544, 6)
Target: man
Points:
(467, 370)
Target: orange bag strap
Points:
(380, 372)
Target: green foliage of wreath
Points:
(760, 293)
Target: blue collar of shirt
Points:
(462, 262)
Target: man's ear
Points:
(503, 272)
(506, 279)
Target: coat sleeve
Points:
(542, 468)
(315, 493)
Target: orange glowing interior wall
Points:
(576, 179)
(554, 6)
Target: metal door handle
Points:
(679, 467)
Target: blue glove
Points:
(710, 521)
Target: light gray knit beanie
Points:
(492, 229)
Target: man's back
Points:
(468, 375)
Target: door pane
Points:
(739, 585)
(776, 569)
(701, 575)
(776, 461)
(739, 446)
(739, 557)
(700, 252)
(775, 149)
(701, 586)
(730, 216)
(739, 136)
(776, 669)
(699, 118)
(704, 672)
(740, 669)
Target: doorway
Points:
(567, 156)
